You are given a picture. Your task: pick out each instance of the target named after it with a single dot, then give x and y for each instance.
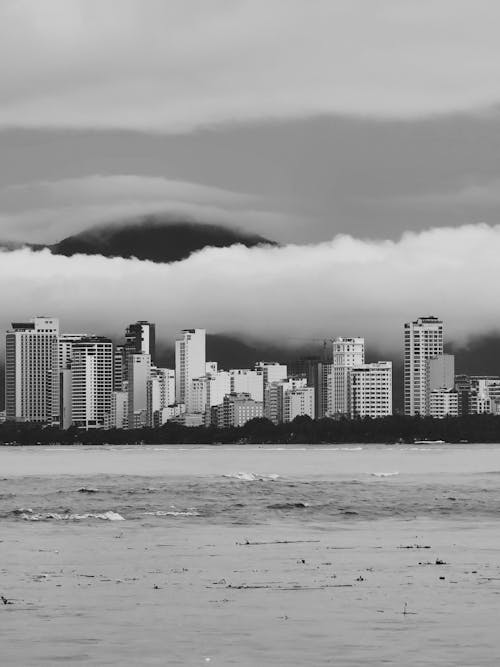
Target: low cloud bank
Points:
(286, 295)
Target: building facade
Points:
(346, 353)
(298, 402)
(190, 363)
(236, 410)
(423, 340)
(371, 390)
(443, 403)
(139, 372)
(247, 381)
(31, 370)
(91, 381)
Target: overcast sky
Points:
(298, 120)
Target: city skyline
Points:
(87, 381)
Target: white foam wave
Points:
(173, 513)
(253, 477)
(384, 474)
(54, 516)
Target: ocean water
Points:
(250, 555)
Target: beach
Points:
(250, 555)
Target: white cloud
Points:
(174, 65)
(51, 210)
(344, 287)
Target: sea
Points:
(250, 555)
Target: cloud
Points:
(48, 211)
(172, 66)
(281, 295)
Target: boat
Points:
(429, 442)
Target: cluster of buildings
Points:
(86, 381)
(431, 387)
(70, 379)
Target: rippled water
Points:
(250, 555)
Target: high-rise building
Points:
(62, 413)
(297, 402)
(271, 371)
(347, 353)
(246, 381)
(139, 372)
(160, 390)
(423, 339)
(30, 370)
(140, 338)
(190, 360)
(441, 372)
(463, 386)
(371, 390)
(91, 381)
(318, 373)
(118, 417)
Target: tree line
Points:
(303, 430)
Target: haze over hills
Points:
(157, 238)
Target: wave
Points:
(173, 513)
(29, 515)
(384, 474)
(287, 506)
(252, 477)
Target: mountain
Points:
(154, 238)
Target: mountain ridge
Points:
(157, 238)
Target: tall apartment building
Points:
(441, 372)
(62, 413)
(371, 390)
(30, 370)
(297, 402)
(208, 391)
(118, 416)
(347, 353)
(423, 339)
(140, 338)
(139, 372)
(246, 381)
(190, 363)
(160, 392)
(271, 371)
(91, 381)
(318, 373)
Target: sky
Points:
(362, 135)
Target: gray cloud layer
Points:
(176, 65)
(343, 287)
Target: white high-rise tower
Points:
(423, 341)
(30, 369)
(190, 360)
(91, 381)
(347, 353)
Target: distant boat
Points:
(429, 442)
